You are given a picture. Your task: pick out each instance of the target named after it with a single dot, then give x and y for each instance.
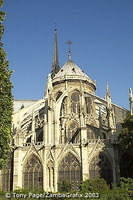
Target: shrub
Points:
(94, 185)
(126, 183)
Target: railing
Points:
(103, 141)
(83, 77)
(93, 141)
(87, 142)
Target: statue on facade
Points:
(131, 100)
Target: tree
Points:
(6, 100)
(126, 148)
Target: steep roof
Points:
(71, 71)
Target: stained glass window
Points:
(75, 102)
(33, 174)
(70, 170)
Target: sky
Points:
(101, 32)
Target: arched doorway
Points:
(100, 167)
(69, 171)
(33, 174)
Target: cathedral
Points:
(70, 135)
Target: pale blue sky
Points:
(102, 36)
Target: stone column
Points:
(56, 178)
(84, 152)
(33, 128)
(45, 130)
(50, 122)
(45, 176)
(18, 176)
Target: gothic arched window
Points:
(75, 102)
(100, 167)
(88, 103)
(72, 133)
(33, 174)
(64, 107)
(69, 171)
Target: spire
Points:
(131, 100)
(55, 57)
(55, 64)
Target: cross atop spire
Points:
(69, 42)
(55, 64)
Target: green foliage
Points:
(64, 187)
(118, 193)
(126, 148)
(99, 186)
(1, 2)
(94, 185)
(126, 183)
(115, 194)
(6, 101)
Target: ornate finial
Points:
(108, 94)
(69, 42)
(130, 92)
(108, 90)
(108, 97)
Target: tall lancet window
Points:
(88, 102)
(75, 102)
(33, 174)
